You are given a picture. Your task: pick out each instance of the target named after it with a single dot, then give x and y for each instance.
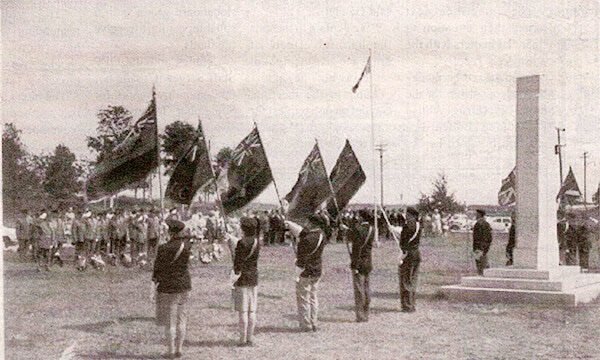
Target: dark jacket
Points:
(172, 275)
(361, 237)
(310, 252)
(245, 261)
(512, 241)
(408, 240)
(482, 236)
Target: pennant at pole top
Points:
(366, 70)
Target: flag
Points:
(569, 190)
(130, 161)
(507, 196)
(193, 170)
(365, 71)
(247, 174)
(311, 189)
(347, 176)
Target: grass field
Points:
(109, 314)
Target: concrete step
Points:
(492, 296)
(516, 284)
(559, 272)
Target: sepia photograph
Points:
(300, 180)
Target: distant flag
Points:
(130, 161)
(569, 191)
(193, 170)
(507, 196)
(347, 176)
(247, 174)
(366, 70)
(311, 190)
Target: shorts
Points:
(170, 307)
(245, 298)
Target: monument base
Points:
(561, 286)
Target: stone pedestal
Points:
(536, 276)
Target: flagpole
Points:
(160, 190)
(373, 151)
(266, 158)
(329, 182)
(217, 194)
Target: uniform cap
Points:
(175, 226)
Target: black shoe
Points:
(314, 328)
(249, 343)
(178, 354)
(408, 310)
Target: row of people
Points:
(173, 282)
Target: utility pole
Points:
(585, 156)
(381, 149)
(557, 151)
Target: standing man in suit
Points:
(172, 276)
(361, 237)
(311, 242)
(512, 240)
(408, 271)
(482, 240)
(245, 278)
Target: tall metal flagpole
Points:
(373, 151)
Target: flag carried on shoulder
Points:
(347, 176)
(130, 161)
(311, 190)
(192, 171)
(569, 191)
(366, 70)
(507, 196)
(247, 174)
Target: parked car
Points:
(499, 223)
(460, 222)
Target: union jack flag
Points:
(245, 148)
(507, 195)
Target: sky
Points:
(444, 75)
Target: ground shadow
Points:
(93, 328)
(108, 355)
(371, 309)
(268, 296)
(128, 319)
(395, 295)
(335, 320)
(276, 329)
(292, 316)
(211, 343)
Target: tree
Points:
(440, 198)
(222, 159)
(61, 175)
(113, 126)
(178, 137)
(21, 187)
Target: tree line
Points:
(57, 180)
